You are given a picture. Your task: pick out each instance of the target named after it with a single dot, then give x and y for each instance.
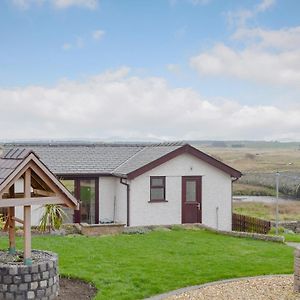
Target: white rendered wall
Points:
(36, 210)
(112, 200)
(107, 198)
(216, 193)
(121, 207)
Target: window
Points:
(191, 191)
(157, 188)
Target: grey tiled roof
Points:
(121, 159)
(143, 157)
(10, 161)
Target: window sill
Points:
(157, 201)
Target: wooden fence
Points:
(250, 224)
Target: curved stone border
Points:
(37, 281)
(195, 287)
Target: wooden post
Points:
(27, 219)
(12, 224)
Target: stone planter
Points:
(37, 281)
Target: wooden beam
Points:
(27, 219)
(31, 161)
(39, 181)
(6, 225)
(18, 220)
(43, 193)
(30, 201)
(42, 171)
(12, 224)
(27, 235)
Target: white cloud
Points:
(267, 56)
(91, 4)
(283, 39)
(118, 104)
(60, 4)
(264, 5)
(98, 34)
(240, 17)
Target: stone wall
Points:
(297, 270)
(101, 229)
(290, 225)
(37, 281)
(252, 235)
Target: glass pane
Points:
(70, 185)
(157, 194)
(87, 197)
(157, 181)
(190, 195)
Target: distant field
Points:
(259, 162)
(288, 211)
(253, 160)
(242, 189)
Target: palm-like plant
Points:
(52, 217)
(2, 221)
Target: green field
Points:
(138, 266)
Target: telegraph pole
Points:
(277, 200)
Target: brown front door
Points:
(191, 199)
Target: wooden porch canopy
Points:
(26, 181)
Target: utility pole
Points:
(277, 200)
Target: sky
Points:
(150, 69)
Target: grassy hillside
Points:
(259, 161)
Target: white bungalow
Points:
(141, 184)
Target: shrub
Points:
(281, 230)
(52, 217)
(2, 221)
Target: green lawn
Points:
(291, 237)
(138, 266)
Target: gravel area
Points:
(18, 257)
(268, 288)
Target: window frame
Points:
(163, 186)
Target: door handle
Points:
(198, 206)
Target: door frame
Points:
(77, 214)
(198, 180)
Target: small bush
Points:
(281, 230)
(136, 230)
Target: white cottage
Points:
(141, 184)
